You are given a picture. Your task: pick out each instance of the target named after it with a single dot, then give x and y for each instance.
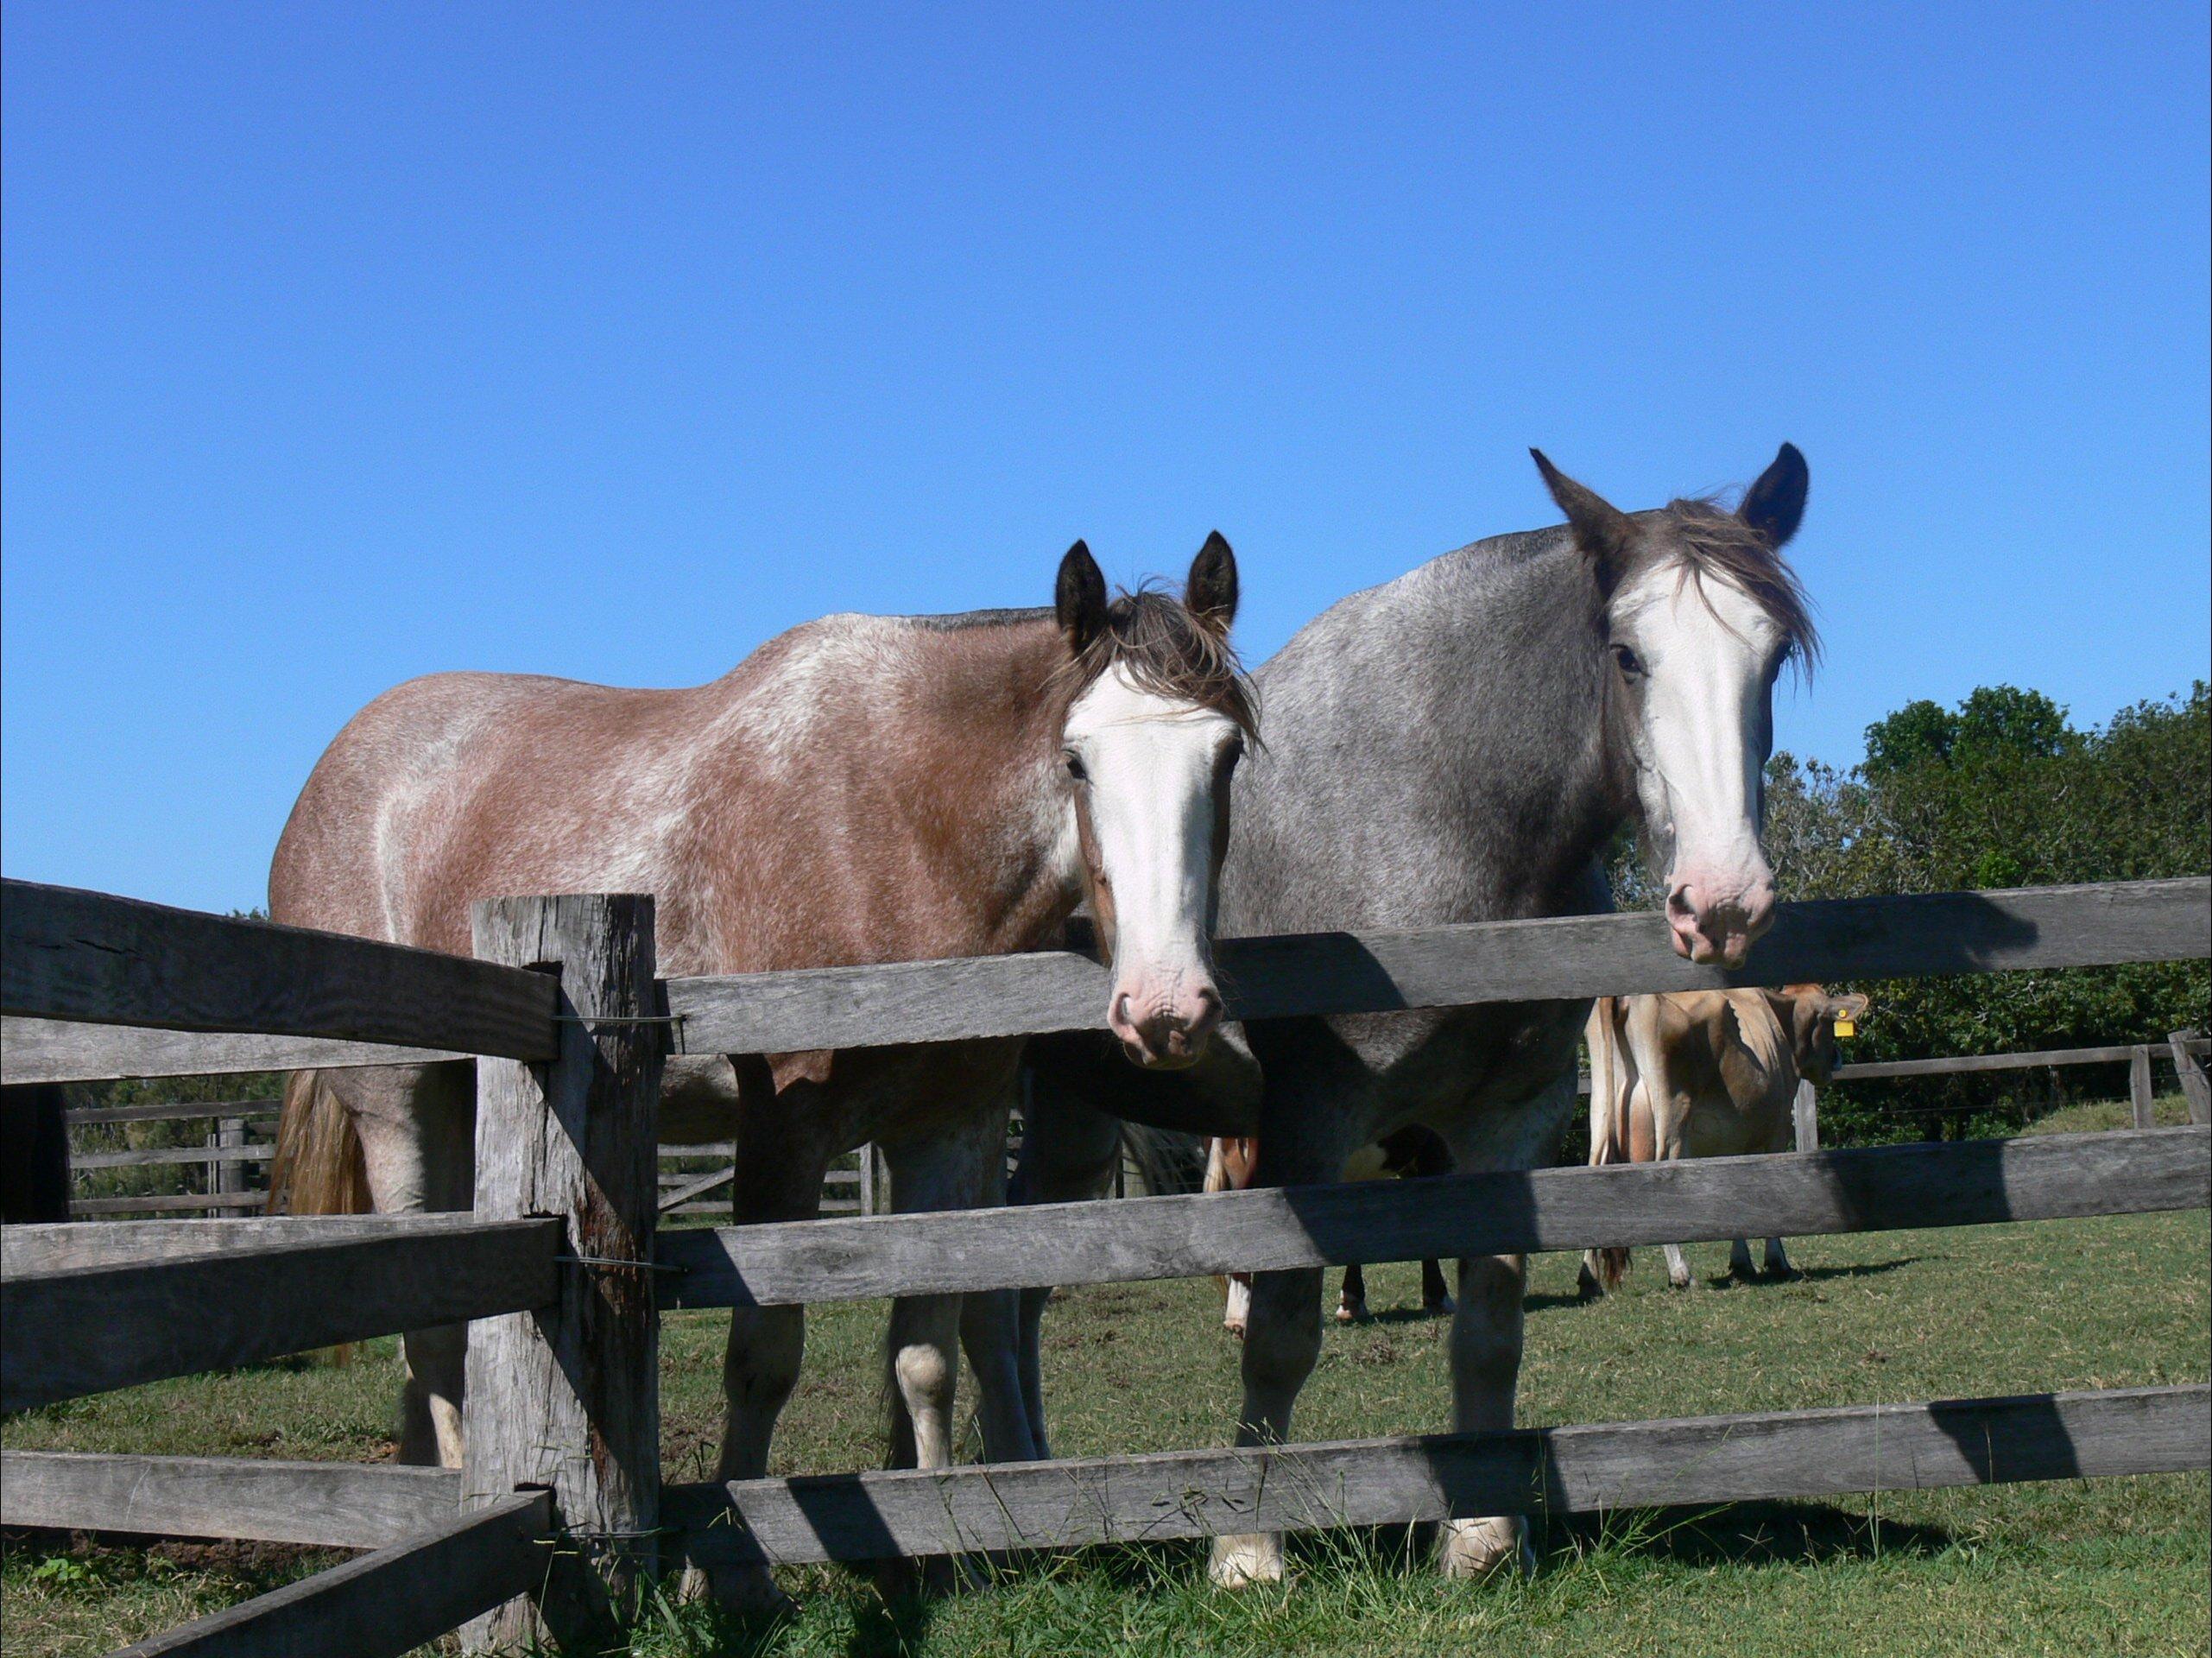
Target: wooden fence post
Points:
(2194, 1087)
(1805, 1112)
(230, 1177)
(2138, 1087)
(868, 1177)
(567, 1398)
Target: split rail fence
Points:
(230, 1150)
(560, 1513)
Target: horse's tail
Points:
(1609, 1134)
(319, 1167)
(1165, 1159)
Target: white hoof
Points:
(1240, 1562)
(1475, 1548)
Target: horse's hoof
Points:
(1442, 1309)
(1235, 1329)
(933, 1577)
(1477, 1549)
(1587, 1288)
(748, 1592)
(1240, 1562)
(1351, 1314)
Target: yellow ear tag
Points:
(1845, 1026)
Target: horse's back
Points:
(481, 770)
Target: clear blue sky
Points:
(347, 343)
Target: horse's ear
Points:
(1211, 592)
(1601, 529)
(1776, 504)
(1079, 598)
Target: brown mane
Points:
(1168, 651)
(1706, 537)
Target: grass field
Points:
(2112, 1567)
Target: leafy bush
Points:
(2001, 791)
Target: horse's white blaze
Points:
(1702, 739)
(1154, 766)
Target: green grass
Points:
(2117, 1566)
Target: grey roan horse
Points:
(1460, 744)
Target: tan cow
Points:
(1704, 1073)
(1413, 1151)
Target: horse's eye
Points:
(1232, 751)
(1628, 661)
(1075, 767)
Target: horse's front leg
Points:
(959, 1168)
(1487, 1330)
(1282, 1331)
(781, 1154)
(1486, 1349)
(1069, 1150)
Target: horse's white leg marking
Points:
(1282, 1342)
(417, 1126)
(1678, 1267)
(949, 1169)
(1237, 1309)
(1487, 1330)
(1282, 1331)
(1485, 1348)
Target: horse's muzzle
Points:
(1718, 930)
(1166, 1030)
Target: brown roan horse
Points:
(861, 789)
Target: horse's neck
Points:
(1436, 750)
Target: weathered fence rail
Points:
(1956, 1183)
(1328, 972)
(562, 1274)
(122, 1322)
(1954, 1065)
(388, 1602)
(1916, 1447)
(89, 955)
(1387, 1481)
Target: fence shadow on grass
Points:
(1747, 1534)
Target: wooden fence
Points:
(560, 1511)
(229, 1152)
